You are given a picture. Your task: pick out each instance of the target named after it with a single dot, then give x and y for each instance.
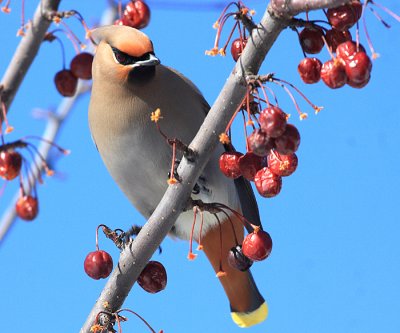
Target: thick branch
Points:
(290, 8)
(26, 51)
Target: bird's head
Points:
(123, 54)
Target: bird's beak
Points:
(152, 61)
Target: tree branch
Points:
(290, 8)
(26, 51)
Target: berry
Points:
(237, 48)
(344, 17)
(66, 83)
(136, 14)
(358, 70)
(250, 163)
(27, 207)
(310, 70)
(333, 73)
(257, 245)
(153, 277)
(282, 165)
(229, 164)
(273, 121)
(81, 65)
(288, 142)
(345, 51)
(238, 260)
(311, 40)
(98, 264)
(336, 37)
(10, 164)
(267, 183)
(259, 143)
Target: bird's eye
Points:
(121, 57)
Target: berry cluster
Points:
(136, 14)
(270, 156)
(66, 80)
(349, 63)
(99, 264)
(11, 162)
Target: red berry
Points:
(273, 121)
(344, 17)
(358, 70)
(237, 48)
(267, 183)
(229, 164)
(288, 142)
(66, 83)
(310, 70)
(81, 65)
(238, 260)
(282, 165)
(250, 163)
(311, 40)
(136, 14)
(336, 37)
(153, 277)
(98, 264)
(259, 143)
(10, 164)
(333, 73)
(27, 207)
(257, 245)
(345, 51)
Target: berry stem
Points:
(140, 317)
(191, 255)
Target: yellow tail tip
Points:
(247, 319)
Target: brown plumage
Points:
(128, 85)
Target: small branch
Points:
(290, 8)
(26, 51)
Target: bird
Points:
(129, 83)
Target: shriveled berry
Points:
(98, 264)
(10, 164)
(66, 83)
(273, 121)
(238, 260)
(81, 65)
(259, 143)
(358, 70)
(282, 165)
(345, 16)
(27, 207)
(267, 183)
(229, 164)
(136, 14)
(237, 48)
(311, 40)
(257, 245)
(310, 70)
(336, 37)
(250, 163)
(153, 277)
(288, 142)
(333, 73)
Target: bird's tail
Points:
(248, 307)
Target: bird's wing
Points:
(245, 192)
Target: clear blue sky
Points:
(335, 263)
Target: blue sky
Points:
(335, 225)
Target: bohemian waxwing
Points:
(128, 85)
